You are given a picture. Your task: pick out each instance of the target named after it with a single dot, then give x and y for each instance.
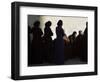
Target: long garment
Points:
(48, 45)
(59, 46)
(36, 56)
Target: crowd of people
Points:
(42, 49)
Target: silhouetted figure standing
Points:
(48, 44)
(80, 35)
(59, 44)
(78, 44)
(36, 57)
(84, 55)
(72, 39)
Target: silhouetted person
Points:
(48, 44)
(78, 44)
(36, 57)
(80, 35)
(84, 55)
(72, 39)
(85, 32)
(59, 44)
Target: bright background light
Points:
(70, 23)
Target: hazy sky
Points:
(70, 24)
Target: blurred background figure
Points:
(78, 44)
(84, 55)
(72, 39)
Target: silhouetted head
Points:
(74, 33)
(36, 24)
(80, 32)
(48, 23)
(60, 23)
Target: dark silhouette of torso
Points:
(59, 44)
(48, 43)
(47, 34)
(78, 45)
(36, 44)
